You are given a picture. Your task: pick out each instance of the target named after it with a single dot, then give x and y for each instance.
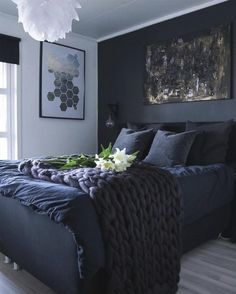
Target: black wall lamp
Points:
(113, 115)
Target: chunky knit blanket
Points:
(139, 213)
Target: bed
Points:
(47, 249)
(207, 199)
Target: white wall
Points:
(45, 136)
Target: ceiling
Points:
(101, 19)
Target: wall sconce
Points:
(113, 115)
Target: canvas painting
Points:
(190, 68)
(62, 90)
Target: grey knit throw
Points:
(139, 213)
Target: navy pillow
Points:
(170, 149)
(134, 141)
(211, 143)
(136, 126)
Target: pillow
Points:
(134, 141)
(142, 126)
(136, 126)
(170, 149)
(211, 143)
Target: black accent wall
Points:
(121, 65)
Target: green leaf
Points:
(81, 160)
(106, 152)
(135, 153)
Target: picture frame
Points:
(62, 81)
(194, 67)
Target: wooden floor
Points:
(209, 269)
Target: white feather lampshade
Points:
(47, 20)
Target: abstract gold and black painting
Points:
(189, 68)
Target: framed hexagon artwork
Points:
(62, 81)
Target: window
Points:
(8, 111)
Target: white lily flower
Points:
(120, 167)
(104, 164)
(119, 161)
(99, 161)
(108, 165)
(120, 156)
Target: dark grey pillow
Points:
(134, 141)
(142, 126)
(170, 149)
(211, 143)
(136, 126)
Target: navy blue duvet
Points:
(63, 204)
(204, 188)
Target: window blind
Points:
(9, 49)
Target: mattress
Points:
(204, 188)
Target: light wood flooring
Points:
(209, 269)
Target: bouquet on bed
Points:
(106, 160)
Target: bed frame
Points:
(48, 251)
(42, 247)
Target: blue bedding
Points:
(63, 204)
(204, 188)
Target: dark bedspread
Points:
(139, 213)
(60, 202)
(204, 188)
